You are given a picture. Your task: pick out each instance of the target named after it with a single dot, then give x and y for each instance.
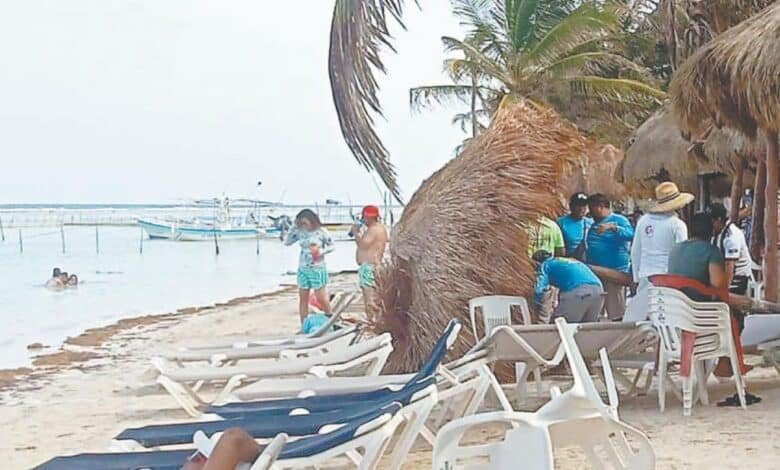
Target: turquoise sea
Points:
(120, 282)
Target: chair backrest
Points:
(671, 311)
(497, 311)
(341, 301)
(436, 357)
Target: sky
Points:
(162, 100)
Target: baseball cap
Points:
(578, 199)
(371, 211)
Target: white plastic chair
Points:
(577, 417)
(497, 311)
(756, 285)
(671, 312)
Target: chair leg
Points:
(701, 383)
(662, 382)
(687, 385)
(739, 380)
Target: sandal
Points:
(733, 400)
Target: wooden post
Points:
(21, 243)
(770, 217)
(257, 250)
(759, 204)
(736, 191)
(141, 247)
(216, 242)
(62, 237)
(97, 240)
(2, 231)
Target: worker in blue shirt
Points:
(581, 297)
(609, 246)
(575, 226)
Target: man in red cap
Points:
(371, 240)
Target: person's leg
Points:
(615, 301)
(303, 303)
(234, 447)
(545, 312)
(321, 290)
(367, 281)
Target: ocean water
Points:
(120, 282)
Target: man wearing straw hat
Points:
(655, 235)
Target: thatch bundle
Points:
(461, 235)
(733, 81)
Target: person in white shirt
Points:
(730, 240)
(655, 234)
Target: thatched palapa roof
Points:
(657, 151)
(594, 171)
(461, 234)
(734, 80)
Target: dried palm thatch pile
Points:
(461, 234)
(594, 171)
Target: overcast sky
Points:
(158, 100)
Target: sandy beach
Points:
(76, 399)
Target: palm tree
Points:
(555, 54)
(540, 51)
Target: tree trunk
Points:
(474, 122)
(759, 203)
(736, 191)
(770, 217)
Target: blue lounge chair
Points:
(174, 459)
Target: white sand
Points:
(80, 407)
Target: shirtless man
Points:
(371, 242)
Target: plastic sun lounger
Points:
(368, 357)
(540, 345)
(577, 417)
(340, 303)
(299, 347)
(264, 419)
(371, 433)
(174, 459)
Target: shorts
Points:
(366, 276)
(312, 277)
(581, 305)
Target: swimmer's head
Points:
(56, 272)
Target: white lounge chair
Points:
(298, 347)
(539, 346)
(340, 303)
(674, 313)
(576, 417)
(367, 357)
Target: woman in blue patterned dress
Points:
(315, 242)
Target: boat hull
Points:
(157, 230)
(160, 230)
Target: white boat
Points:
(221, 226)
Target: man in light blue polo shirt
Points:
(575, 226)
(609, 241)
(581, 296)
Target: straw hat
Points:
(668, 198)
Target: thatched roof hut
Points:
(594, 171)
(658, 152)
(461, 235)
(734, 82)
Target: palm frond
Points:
(486, 64)
(426, 96)
(519, 21)
(618, 91)
(589, 63)
(359, 30)
(588, 22)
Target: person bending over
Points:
(581, 297)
